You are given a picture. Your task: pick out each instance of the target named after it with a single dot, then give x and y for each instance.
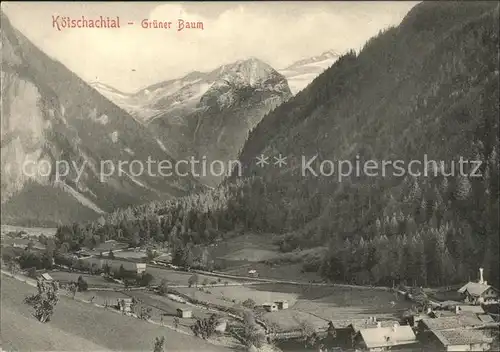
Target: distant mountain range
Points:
(206, 114)
(183, 94)
(49, 114)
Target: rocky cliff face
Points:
(50, 116)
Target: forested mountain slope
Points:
(50, 115)
(426, 88)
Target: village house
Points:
(282, 304)
(460, 340)
(456, 321)
(253, 273)
(125, 305)
(137, 268)
(372, 322)
(270, 307)
(385, 338)
(163, 259)
(46, 277)
(221, 326)
(348, 331)
(479, 292)
(140, 267)
(184, 313)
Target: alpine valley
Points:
(428, 86)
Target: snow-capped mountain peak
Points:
(302, 72)
(196, 89)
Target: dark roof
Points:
(462, 337)
(452, 322)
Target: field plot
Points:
(238, 255)
(92, 280)
(102, 297)
(251, 248)
(286, 272)
(225, 295)
(335, 303)
(77, 326)
(290, 319)
(172, 276)
(131, 254)
(211, 297)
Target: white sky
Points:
(278, 33)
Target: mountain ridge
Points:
(49, 115)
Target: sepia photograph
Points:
(250, 176)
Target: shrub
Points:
(82, 284)
(249, 303)
(193, 280)
(44, 301)
(205, 328)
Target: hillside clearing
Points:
(80, 326)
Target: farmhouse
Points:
(282, 304)
(357, 326)
(165, 258)
(46, 277)
(384, 338)
(184, 313)
(461, 340)
(125, 305)
(459, 321)
(253, 273)
(140, 268)
(479, 292)
(270, 307)
(221, 325)
(137, 268)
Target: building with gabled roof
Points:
(372, 322)
(461, 340)
(479, 292)
(46, 277)
(456, 321)
(383, 338)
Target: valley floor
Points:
(77, 326)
